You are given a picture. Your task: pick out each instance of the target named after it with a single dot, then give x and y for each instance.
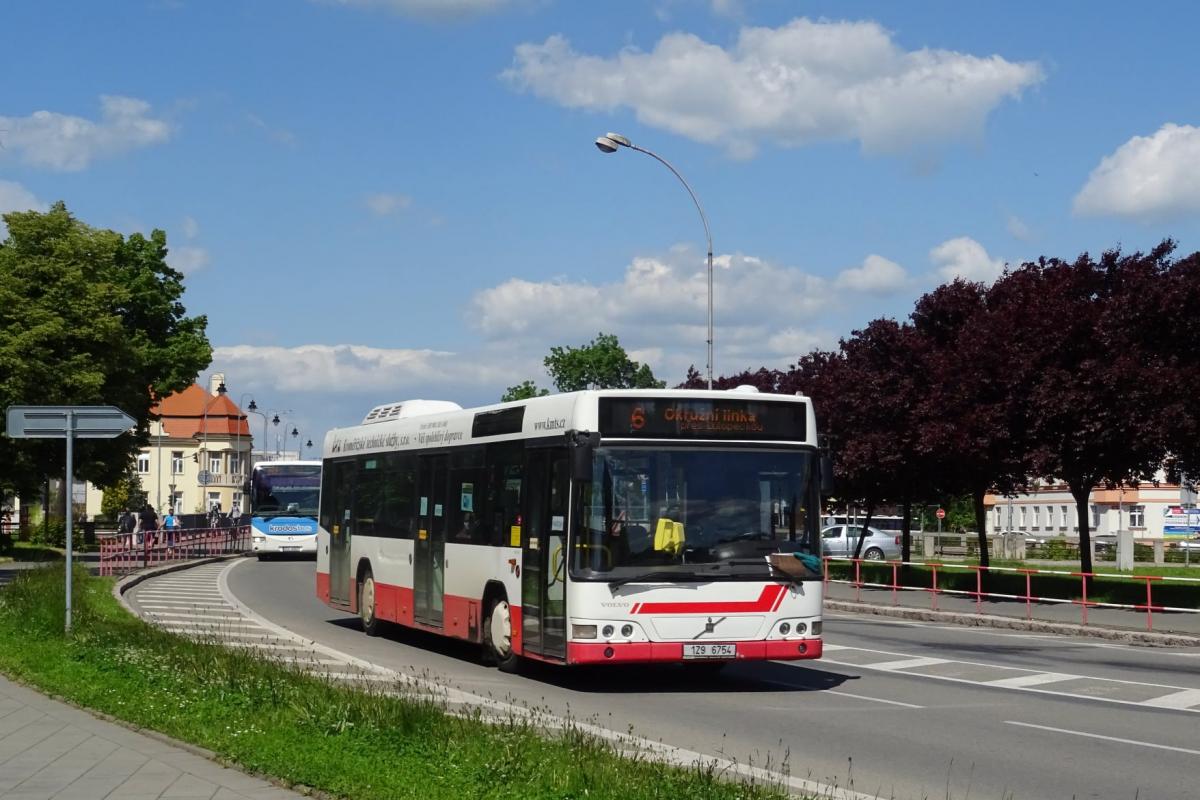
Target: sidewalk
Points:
(1116, 619)
(52, 751)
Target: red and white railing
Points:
(1028, 597)
(126, 552)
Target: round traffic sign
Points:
(941, 513)
(205, 477)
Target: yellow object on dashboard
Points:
(668, 536)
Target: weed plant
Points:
(269, 718)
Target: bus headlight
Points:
(583, 631)
(801, 628)
(784, 629)
(816, 628)
(608, 631)
(626, 630)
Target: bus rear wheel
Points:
(497, 637)
(366, 605)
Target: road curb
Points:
(1148, 638)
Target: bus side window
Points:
(504, 467)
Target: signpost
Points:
(941, 515)
(69, 423)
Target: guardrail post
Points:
(934, 593)
(858, 580)
(1083, 578)
(979, 588)
(1028, 596)
(895, 581)
(1149, 606)
(825, 569)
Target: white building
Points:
(198, 455)
(1149, 511)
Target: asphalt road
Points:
(895, 709)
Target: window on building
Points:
(235, 463)
(1095, 517)
(143, 463)
(214, 464)
(1063, 524)
(1137, 516)
(176, 462)
(237, 501)
(177, 502)
(998, 519)
(214, 500)
(1023, 510)
(1037, 513)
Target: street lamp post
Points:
(610, 143)
(202, 463)
(253, 409)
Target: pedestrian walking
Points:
(171, 525)
(148, 520)
(126, 526)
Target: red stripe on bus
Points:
(767, 601)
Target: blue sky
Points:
(382, 199)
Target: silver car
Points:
(840, 540)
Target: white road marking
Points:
(908, 663)
(1036, 679)
(875, 699)
(1116, 739)
(1188, 698)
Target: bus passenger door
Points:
(543, 570)
(341, 520)
(429, 548)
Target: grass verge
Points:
(273, 720)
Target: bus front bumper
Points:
(648, 652)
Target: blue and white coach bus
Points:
(283, 507)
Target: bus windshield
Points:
(706, 513)
(290, 490)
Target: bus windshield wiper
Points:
(656, 576)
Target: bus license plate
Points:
(289, 548)
(708, 650)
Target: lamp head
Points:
(308, 443)
(221, 388)
(606, 145)
(253, 405)
(295, 432)
(275, 420)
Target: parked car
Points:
(1191, 545)
(840, 541)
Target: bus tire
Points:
(497, 637)
(366, 605)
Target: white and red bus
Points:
(590, 527)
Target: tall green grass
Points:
(273, 720)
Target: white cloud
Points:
(15, 197)
(877, 275)
(352, 368)
(1017, 228)
(67, 143)
(435, 9)
(190, 228)
(803, 82)
(187, 259)
(965, 258)
(382, 204)
(1148, 177)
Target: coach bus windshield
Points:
(285, 490)
(704, 512)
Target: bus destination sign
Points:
(678, 418)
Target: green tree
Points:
(88, 317)
(524, 391)
(126, 493)
(600, 364)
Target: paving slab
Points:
(52, 751)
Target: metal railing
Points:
(1028, 597)
(125, 552)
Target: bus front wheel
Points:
(366, 605)
(497, 637)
